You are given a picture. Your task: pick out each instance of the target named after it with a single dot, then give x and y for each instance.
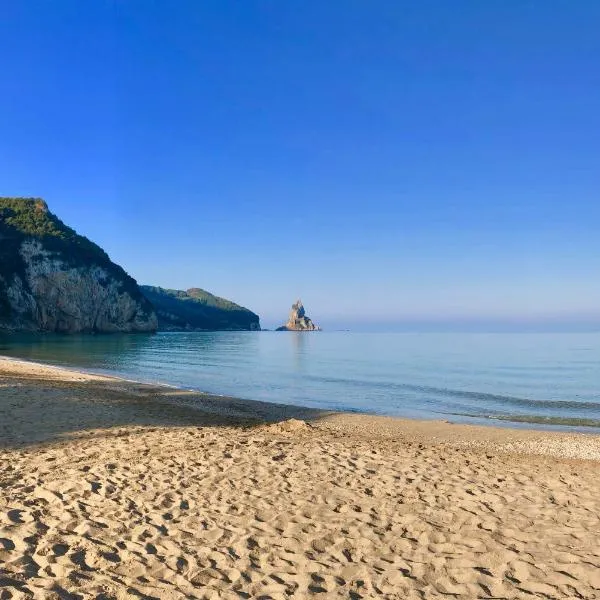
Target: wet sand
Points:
(112, 489)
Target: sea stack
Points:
(298, 320)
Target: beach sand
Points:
(111, 489)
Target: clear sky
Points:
(396, 161)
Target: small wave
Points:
(568, 421)
(537, 419)
(471, 395)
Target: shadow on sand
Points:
(39, 410)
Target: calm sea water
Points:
(544, 379)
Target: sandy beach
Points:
(112, 489)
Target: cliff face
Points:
(52, 279)
(298, 321)
(198, 310)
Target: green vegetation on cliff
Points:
(25, 220)
(197, 309)
(22, 218)
(53, 279)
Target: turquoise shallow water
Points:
(549, 380)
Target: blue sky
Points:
(395, 161)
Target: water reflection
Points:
(85, 351)
(299, 346)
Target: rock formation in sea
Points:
(52, 279)
(298, 321)
(198, 310)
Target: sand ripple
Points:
(265, 513)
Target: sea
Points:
(535, 380)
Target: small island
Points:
(298, 321)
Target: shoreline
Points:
(554, 443)
(114, 489)
(451, 419)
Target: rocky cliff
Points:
(52, 279)
(198, 310)
(298, 321)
